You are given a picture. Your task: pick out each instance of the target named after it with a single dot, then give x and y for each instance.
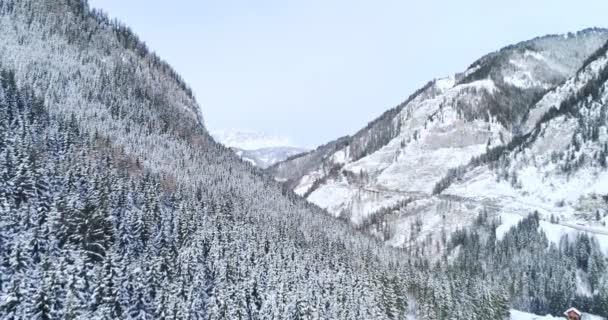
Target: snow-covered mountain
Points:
(260, 149)
(522, 129)
(266, 157)
(116, 203)
(249, 140)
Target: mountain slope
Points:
(115, 202)
(402, 155)
(266, 157)
(455, 172)
(558, 167)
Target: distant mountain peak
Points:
(250, 140)
(258, 148)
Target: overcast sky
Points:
(314, 70)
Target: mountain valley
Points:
(482, 196)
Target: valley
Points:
(483, 195)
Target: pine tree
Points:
(40, 306)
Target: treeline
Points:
(379, 222)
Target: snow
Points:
(485, 84)
(331, 203)
(555, 97)
(399, 172)
(444, 84)
(250, 140)
(259, 149)
(435, 137)
(340, 157)
(307, 181)
(519, 315)
(542, 186)
(537, 194)
(534, 55)
(266, 157)
(525, 72)
(360, 201)
(582, 284)
(521, 80)
(508, 221)
(470, 71)
(575, 310)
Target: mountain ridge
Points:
(116, 202)
(487, 81)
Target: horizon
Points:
(246, 62)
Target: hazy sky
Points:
(315, 70)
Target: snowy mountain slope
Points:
(266, 157)
(260, 149)
(403, 154)
(559, 166)
(533, 179)
(310, 165)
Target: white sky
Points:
(314, 70)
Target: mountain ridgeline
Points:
(115, 202)
(520, 139)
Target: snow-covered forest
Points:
(541, 276)
(115, 203)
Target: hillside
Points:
(455, 172)
(115, 202)
(404, 155)
(558, 165)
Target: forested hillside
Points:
(542, 276)
(116, 203)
